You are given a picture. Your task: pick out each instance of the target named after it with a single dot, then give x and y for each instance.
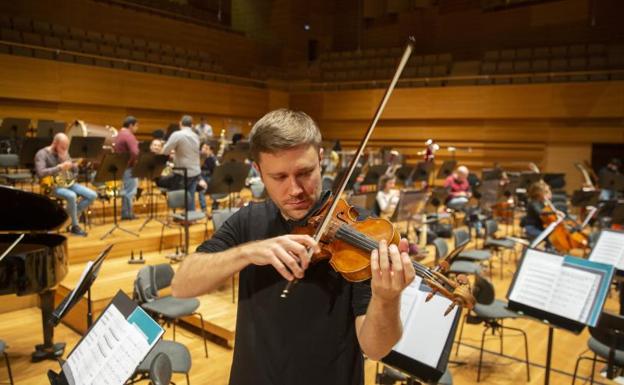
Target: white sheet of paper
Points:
(572, 292)
(609, 249)
(109, 353)
(426, 328)
(536, 279)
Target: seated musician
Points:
(458, 188)
(53, 161)
(316, 335)
(387, 196)
(538, 193)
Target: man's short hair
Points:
(186, 121)
(129, 121)
(283, 129)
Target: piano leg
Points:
(48, 350)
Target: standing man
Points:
(54, 161)
(208, 164)
(185, 143)
(606, 175)
(126, 142)
(318, 334)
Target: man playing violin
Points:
(316, 335)
(54, 160)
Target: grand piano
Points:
(39, 261)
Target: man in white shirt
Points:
(185, 143)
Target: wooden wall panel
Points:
(55, 90)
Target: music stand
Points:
(555, 180)
(373, 174)
(422, 171)
(14, 129)
(149, 166)
(83, 286)
(528, 178)
(227, 178)
(491, 174)
(29, 150)
(404, 173)
(582, 198)
(235, 155)
(411, 202)
(438, 196)
(340, 176)
(446, 169)
(111, 169)
(49, 128)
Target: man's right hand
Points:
(287, 253)
(66, 165)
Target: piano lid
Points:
(26, 211)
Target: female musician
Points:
(317, 335)
(538, 193)
(387, 196)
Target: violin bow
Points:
(322, 228)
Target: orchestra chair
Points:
(175, 201)
(606, 342)
(491, 312)
(218, 219)
(160, 370)
(8, 161)
(152, 278)
(3, 347)
(457, 267)
(391, 376)
(177, 354)
(497, 245)
(461, 236)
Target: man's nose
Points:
(294, 187)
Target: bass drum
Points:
(80, 128)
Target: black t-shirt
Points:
(307, 338)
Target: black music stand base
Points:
(115, 224)
(48, 353)
(548, 355)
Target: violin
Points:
(567, 234)
(347, 243)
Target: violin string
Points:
(358, 239)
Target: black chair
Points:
(151, 279)
(179, 360)
(491, 312)
(497, 245)
(175, 201)
(6, 359)
(461, 236)
(457, 267)
(606, 343)
(160, 370)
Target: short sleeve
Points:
(361, 296)
(229, 235)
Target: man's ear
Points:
(256, 166)
(320, 154)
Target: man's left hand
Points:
(392, 270)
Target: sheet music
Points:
(110, 352)
(574, 289)
(72, 294)
(426, 328)
(609, 249)
(536, 279)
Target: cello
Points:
(346, 243)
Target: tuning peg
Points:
(451, 307)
